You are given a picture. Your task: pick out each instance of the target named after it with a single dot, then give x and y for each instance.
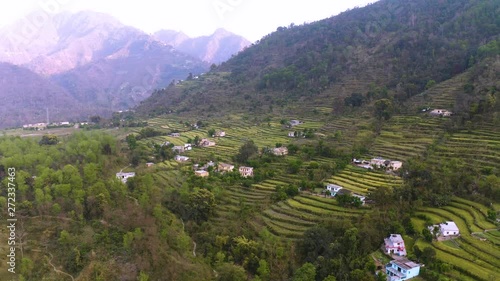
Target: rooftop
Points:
(405, 264)
(396, 238)
(449, 226)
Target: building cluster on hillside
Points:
(400, 268)
(379, 163)
(43, 126)
(222, 168)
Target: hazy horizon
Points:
(250, 19)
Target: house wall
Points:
(410, 273)
(449, 233)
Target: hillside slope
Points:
(397, 45)
(26, 95)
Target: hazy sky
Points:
(250, 18)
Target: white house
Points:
(220, 134)
(175, 135)
(384, 163)
(280, 151)
(377, 162)
(448, 228)
(178, 148)
(395, 165)
(395, 244)
(291, 134)
(180, 158)
(201, 173)
(440, 112)
(402, 269)
(167, 143)
(246, 171)
(361, 198)
(124, 176)
(224, 167)
(295, 122)
(149, 164)
(333, 188)
(188, 146)
(206, 142)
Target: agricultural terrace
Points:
(476, 253)
(362, 181)
(404, 137)
(476, 148)
(291, 218)
(345, 131)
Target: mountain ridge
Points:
(214, 48)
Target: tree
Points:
(428, 254)
(131, 141)
(294, 166)
(263, 270)
(246, 151)
(95, 119)
(354, 100)
(306, 272)
(332, 278)
(196, 140)
(49, 140)
(427, 235)
(383, 109)
(231, 272)
(430, 84)
(211, 132)
(381, 276)
(202, 204)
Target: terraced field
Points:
(404, 137)
(289, 219)
(473, 253)
(363, 181)
(479, 148)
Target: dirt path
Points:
(57, 270)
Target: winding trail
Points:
(57, 270)
(194, 248)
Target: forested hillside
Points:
(398, 47)
(74, 215)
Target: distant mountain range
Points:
(90, 63)
(215, 48)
